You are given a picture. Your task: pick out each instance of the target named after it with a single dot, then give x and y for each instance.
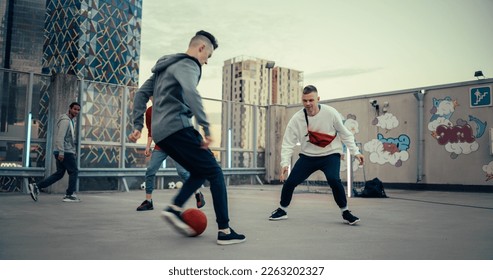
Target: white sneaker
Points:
(71, 198)
(33, 191)
(172, 215)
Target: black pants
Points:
(184, 147)
(330, 165)
(68, 164)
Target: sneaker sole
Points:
(230, 242)
(75, 201)
(145, 209)
(178, 224)
(351, 224)
(33, 197)
(285, 217)
(31, 192)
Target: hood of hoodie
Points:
(164, 62)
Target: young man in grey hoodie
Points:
(65, 156)
(173, 86)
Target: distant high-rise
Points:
(246, 83)
(93, 40)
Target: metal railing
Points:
(103, 149)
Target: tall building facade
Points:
(95, 45)
(21, 34)
(251, 86)
(96, 40)
(287, 85)
(21, 49)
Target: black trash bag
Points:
(373, 188)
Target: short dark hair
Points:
(209, 36)
(309, 89)
(74, 104)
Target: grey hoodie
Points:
(173, 86)
(65, 135)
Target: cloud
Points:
(387, 121)
(329, 74)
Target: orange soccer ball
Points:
(196, 219)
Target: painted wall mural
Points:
(488, 170)
(459, 137)
(352, 124)
(391, 150)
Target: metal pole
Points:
(27, 147)
(420, 156)
(28, 127)
(81, 97)
(269, 65)
(349, 171)
(123, 153)
(254, 135)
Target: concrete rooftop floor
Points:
(409, 225)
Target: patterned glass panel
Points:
(39, 109)
(101, 113)
(37, 155)
(99, 156)
(94, 40)
(135, 158)
(130, 105)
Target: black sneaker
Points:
(172, 215)
(146, 205)
(71, 198)
(278, 214)
(228, 239)
(34, 191)
(200, 199)
(349, 218)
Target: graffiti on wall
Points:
(459, 137)
(352, 125)
(488, 170)
(383, 150)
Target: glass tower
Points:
(96, 40)
(21, 34)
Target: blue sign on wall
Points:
(480, 97)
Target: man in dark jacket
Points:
(173, 86)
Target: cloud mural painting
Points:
(388, 150)
(386, 121)
(443, 108)
(352, 125)
(488, 169)
(458, 138)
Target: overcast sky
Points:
(344, 48)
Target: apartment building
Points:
(249, 81)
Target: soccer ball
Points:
(143, 186)
(171, 185)
(179, 184)
(196, 219)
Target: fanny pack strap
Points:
(306, 118)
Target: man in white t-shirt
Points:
(320, 151)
